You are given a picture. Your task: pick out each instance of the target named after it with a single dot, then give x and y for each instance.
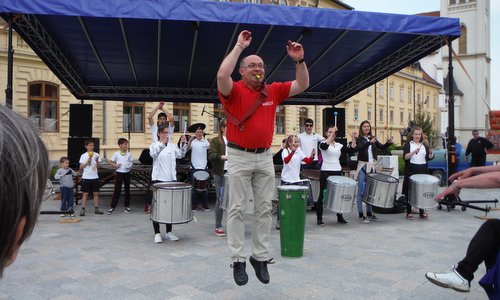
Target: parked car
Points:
(439, 166)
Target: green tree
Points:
(424, 120)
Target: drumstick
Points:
(185, 125)
(335, 114)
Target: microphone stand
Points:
(211, 114)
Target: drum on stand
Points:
(380, 190)
(422, 190)
(340, 193)
(249, 209)
(171, 203)
(201, 180)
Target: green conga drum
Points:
(293, 200)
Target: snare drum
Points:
(422, 190)
(313, 175)
(249, 209)
(380, 190)
(201, 180)
(171, 203)
(340, 194)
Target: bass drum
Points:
(249, 209)
(380, 190)
(422, 190)
(171, 203)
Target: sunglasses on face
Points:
(309, 125)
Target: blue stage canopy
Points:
(171, 50)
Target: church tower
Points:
(471, 65)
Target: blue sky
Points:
(418, 6)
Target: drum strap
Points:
(264, 91)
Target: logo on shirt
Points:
(268, 103)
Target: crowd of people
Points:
(241, 151)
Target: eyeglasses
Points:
(254, 66)
(309, 125)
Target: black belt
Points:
(253, 150)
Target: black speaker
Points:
(329, 119)
(80, 120)
(145, 158)
(76, 147)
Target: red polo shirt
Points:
(258, 129)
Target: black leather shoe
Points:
(239, 273)
(261, 269)
(319, 222)
(340, 219)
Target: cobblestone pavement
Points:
(114, 257)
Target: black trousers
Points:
(484, 246)
(322, 186)
(121, 178)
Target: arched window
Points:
(43, 105)
(302, 118)
(462, 40)
(280, 119)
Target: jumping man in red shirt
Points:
(250, 106)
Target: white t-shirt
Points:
(291, 170)
(199, 153)
(331, 157)
(164, 157)
(419, 158)
(125, 161)
(90, 171)
(154, 132)
(308, 142)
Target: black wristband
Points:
(298, 62)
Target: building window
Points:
(369, 90)
(391, 93)
(356, 113)
(401, 94)
(43, 105)
(419, 99)
(381, 115)
(409, 96)
(381, 91)
(280, 119)
(133, 116)
(452, 2)
(409, 116)
(391, 116)
(218, 115)
(369, 113)
(462, 40)
(302, 118)
(401, 117)
(181, 116)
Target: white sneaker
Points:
(171, 236)
(158, 238)
(451, 280)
